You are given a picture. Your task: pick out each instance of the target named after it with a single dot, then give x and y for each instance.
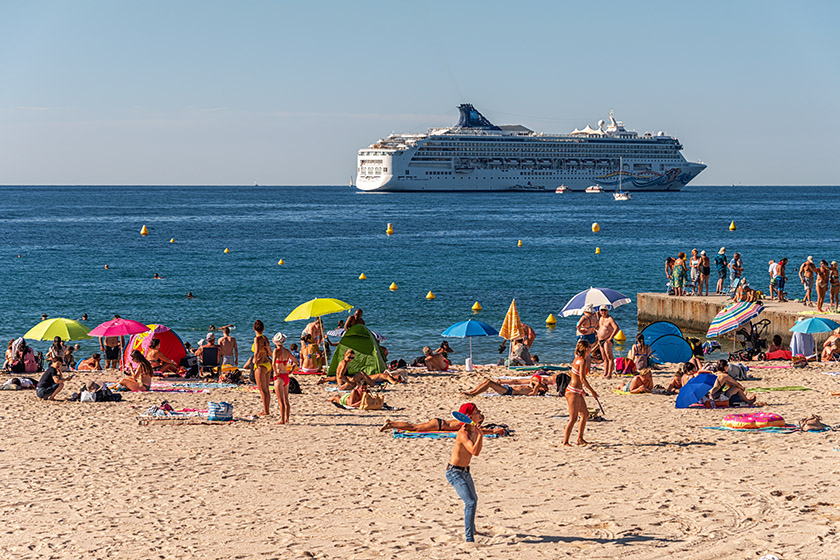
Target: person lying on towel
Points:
(346, 382)
(641, 383)
(436, 425)
(534, 387)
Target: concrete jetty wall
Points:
(695, 313)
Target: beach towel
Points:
(786, 429)
(431, 435)
(198, 385)
(535, 368)
(830, 372)
(767, 389)
(769, 367)
(520, 396)
(622, 392)
(177, 390)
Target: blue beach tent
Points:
(670, 348)
(660, 328)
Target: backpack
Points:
(294, 386)
(562, 380)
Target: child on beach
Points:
(574, 393)
(468, 444)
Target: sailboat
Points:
(620, 194)
(255, 184)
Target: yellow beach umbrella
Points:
(512, 325)
(317, 307)
(67, 329)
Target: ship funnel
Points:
(471, 118)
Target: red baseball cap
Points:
(467, 408)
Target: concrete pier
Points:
(695, 313)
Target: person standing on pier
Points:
(806, 276)
(721, 263)
(781, 279)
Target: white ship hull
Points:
(478, 156)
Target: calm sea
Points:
(461, 246)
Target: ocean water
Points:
(461, 246)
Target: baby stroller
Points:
(751, 341)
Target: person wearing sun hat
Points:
(468, 443)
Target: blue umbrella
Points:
(695, 389)
(814, 325)
(469, 329)
(596, 297)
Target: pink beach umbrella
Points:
(119, 327)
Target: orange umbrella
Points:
(512, 326)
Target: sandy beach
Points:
(85, 480)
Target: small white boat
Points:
(622, 195)
(594, 189)
(562, 189)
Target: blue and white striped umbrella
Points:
(595, 296)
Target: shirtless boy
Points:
(607, 329)
(468, 444)
(228, 348)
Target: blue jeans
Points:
(463, 483)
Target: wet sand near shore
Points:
(84, 480)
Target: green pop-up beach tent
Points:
(368, 354)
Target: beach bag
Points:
(737, 372)
(813, 424)
(371, 401)
(87, 396)
(562, 380)
(799, 361)
(220, 411)
(294, 386)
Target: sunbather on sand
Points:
(141, 377)
(726, 388)
(534, 387)
(434, 425)
(641, 383)
(345, 382)
(352, 399)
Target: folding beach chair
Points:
(210, 360)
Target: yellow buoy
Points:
(430, 295)
(551, 319)
(362, 276)
(227, 250)
(144, 230)
(519, 244)
(476, 307)
(732, 226)
(595, 227)
(390, 229)
(281, 262)
(393, 286)
(172, 240)
(597, 250)
(620, 336)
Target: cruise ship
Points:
(476, 155)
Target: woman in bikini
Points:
(158, 359)
(435, 425)
(574, 393)
(640, 353)
(283, 362)
(141, 377)
(310, 355)
(834, 281)
(262, 365)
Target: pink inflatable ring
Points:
(753, 421)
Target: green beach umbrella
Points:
(67, 329)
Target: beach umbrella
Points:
(512, 325)
(814, 325)
(469, 329)
(693, 391)
(118, 327)
(316, 308)
(733, 316)
(595, 296)
(67, 329)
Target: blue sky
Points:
(192, 92)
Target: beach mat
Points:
(788, 388)
(430, 435)
(194, 385)
(786, 429)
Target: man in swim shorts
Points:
(228, 348)
(780, 279)
(588, 325)
(807, 277)
(607, 329)
(468, 444)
